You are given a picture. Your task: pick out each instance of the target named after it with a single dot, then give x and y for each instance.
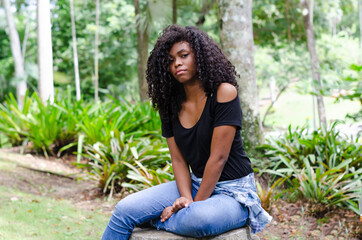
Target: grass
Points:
(296, 109)
(26, 216)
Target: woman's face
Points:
(182, 62)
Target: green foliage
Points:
(121, 140)
(111, 163)
(282, 21)
(321, 146)
(13, 120)
(117, 49)
(293, 59)
(268, 195)
(322, 166)
(348, 88)
(48, 127)
(142, 177)
(331, 186)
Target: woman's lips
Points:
(179, 72)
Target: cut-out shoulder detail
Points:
(226, 92)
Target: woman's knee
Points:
(195, 222)
(199, 219)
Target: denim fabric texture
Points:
(243, 190)
(219, 213)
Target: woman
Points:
(192, 84)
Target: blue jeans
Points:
(213, 216)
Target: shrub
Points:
(327, 147)
(110, 163)
(12, 119)
(321, 167)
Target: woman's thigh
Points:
(213, 216)
(141, 207)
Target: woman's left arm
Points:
(222, 139)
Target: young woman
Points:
(192, 84)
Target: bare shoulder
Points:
(226, 92)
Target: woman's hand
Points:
(179, 204)
(166, 214)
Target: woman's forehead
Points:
(179, 47)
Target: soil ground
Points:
(290, 220)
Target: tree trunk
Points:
(308, 24)
(288, 21)
(26, 35)
(206, 7)
(174, 11)
(96, 54)
(142, 50)
(236, 35)
(45, 52)
(75, 54)
(360, 30)
(17, 55)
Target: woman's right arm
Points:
(183, 180)
(180, 169)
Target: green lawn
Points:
(297, 110)
(26, 216)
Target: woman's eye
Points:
(170, 60)
(185, 55)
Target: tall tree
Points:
(17, 55)
(174, 11)
(206, 6)
(236, 35)
(307, 6)
(360, 29)
(45, 52)
(75, 54)
(96, 53)
(142, 50)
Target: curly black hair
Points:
(213, 68)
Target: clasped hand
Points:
(180, 203)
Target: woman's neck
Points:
(194, 92)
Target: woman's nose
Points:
(178, 62)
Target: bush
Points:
(120, 140)
(327, 147)
(321, 167)
(121, 159)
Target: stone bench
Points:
(153, 234)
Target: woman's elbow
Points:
(221, 159)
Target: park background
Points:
(77, 132)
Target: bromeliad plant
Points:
(139, 119)
(321, 167)
(334, 186)
(142, 177)
(13, 119)
(269, 195)
(110, 163)
(50, 126)
(326, 147)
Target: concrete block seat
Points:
(152, 234)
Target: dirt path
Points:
(53, 179)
